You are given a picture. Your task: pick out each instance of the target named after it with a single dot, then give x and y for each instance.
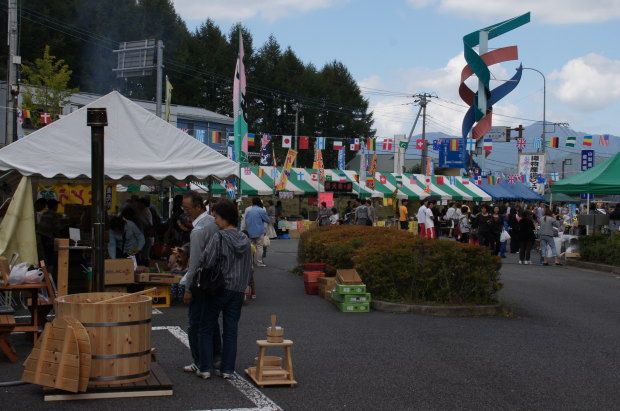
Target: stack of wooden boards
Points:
(349, 292)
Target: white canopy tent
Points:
(139, 146)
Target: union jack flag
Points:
(520, 144)
(512, 179)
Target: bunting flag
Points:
(265, 150)
(413, 180)
(370, 176)
(216, 137)
(419, 144)
(46, 118)
(604, 140)
(370, 144)
(382, 179)
(403, 144)
(261, 172)
(247, 171)
(399, 180)
(341, 159)
(304, 143)
(342, 177)
(521, 144)
(231, 189)
(357, 178)
(479, 180)
(491, 179)
(587, 141)
(387, 145)
(554, 177)
(168, 99)
(487, 144)
(436, 145)
(471, 144)
(251, 139)
(354, 144)
(26, 114)
(320, 143)
(286, 141)
(338, 145)
(239, 108)
(454, 144)
(537, 143)
(512, 179)
(554, 142)
(571, 141)
(185, 130)
(499, 178)
(300, 176)
(440, 180)
(286, 169)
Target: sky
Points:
(395, 49)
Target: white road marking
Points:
(262, 402)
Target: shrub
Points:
(600, 248)
(397, 266)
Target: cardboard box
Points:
(354, 307)
(118, 271)
(351, 298)
(350, 289)
(158, 278)
(348, 277)
(161, 296)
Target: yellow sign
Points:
(76, 194)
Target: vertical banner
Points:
(320, 166)
(286, 169)
(530, 166)
(239, 108)
(341, 158)
(363, 165)
(370, 176)
(587, 159)
(265, 150)
(168, 98)
(429, 172)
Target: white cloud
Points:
(547, 11)
(591, 82)
(239, 10)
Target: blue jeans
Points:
(228, 303)
(196, 331)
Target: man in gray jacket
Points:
(203, 231)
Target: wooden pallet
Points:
(157, 385)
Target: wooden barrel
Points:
(119, 332)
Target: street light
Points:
(544, 140)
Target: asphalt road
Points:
(558, 349)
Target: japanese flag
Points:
(286, 141)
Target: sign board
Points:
(135, 58)
(587, 159)
(531, 165)
(338, 187)
(498, 134)
(586, 196)
(449, 158)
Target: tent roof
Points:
(600, 179)
(138, 146)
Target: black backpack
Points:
(210, 280)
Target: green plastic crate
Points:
(354, 307)
(350, 288)
(351, 298)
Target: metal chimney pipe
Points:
(97, 119)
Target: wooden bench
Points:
(7, 324)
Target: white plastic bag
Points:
(34, 276)
(18, 274)
(504, 236)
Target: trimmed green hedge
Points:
(600, 248)
(397, 266)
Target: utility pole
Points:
(296, 107)
(422, 103)
(160, 66)
(12, 86)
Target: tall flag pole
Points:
(168, 98)
(239, 107)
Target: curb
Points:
(439, 310)
(610, 269)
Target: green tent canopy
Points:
(561, 198)
(603, 178)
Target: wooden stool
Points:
(273, 375)
(7, 324)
